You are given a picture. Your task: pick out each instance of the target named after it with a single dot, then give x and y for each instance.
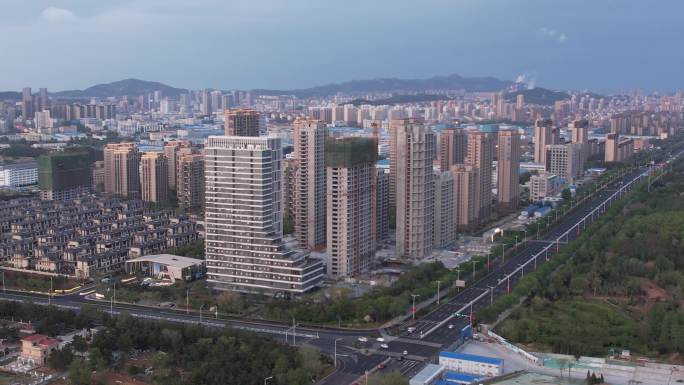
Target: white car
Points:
(411, 329)
(451, 326)
(384, 346)
(380, 339)
(405, 353)
(362, 339)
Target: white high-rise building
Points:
(243, 214)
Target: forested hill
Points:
(621, 287)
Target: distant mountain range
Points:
(450, 82)
(126, 87)
(135, 87)
(538, 95)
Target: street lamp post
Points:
(335, 353)
(474, 263)
(413, 309)
(488, 262)
(438, 287)
(111, 302)
(503, 253)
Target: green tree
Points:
(79, 372)
(60, 359)
(566, 194)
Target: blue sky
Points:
(602, 45)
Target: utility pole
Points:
(491, 294)
(413, 309)
(438, 284)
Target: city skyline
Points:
(553, 44)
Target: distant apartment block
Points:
(122, 174)
(508, 168)
(544, 185)
(64, 175)
(154, 179)
(190, 181)
(241, 122)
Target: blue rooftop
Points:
(460, 377)
(472, 357)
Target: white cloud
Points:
(552, 34)
(58, 15)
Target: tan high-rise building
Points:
(154, 181)
(444, 232)
(520, 101)
(289, 177)
(309, 194)
(481, 149)
(508, 168)
(580, 136)
(565, 160)
(243, 219)
(190, 186)
(122, 174)
(452, 148)
(580, 131)
(544, 135)
(382, 205)
(467, 194)
(350, 165)
(415, 149)
(394, 155)
(241, 122)
(173, 150)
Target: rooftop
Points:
(168, 259)
(472, 357)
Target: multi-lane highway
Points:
(441, 327)
(405, 351)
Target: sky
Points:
(599, 45)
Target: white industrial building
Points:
(471, 364)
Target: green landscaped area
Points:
(13, 379)
(619, 286)
(37, 282)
